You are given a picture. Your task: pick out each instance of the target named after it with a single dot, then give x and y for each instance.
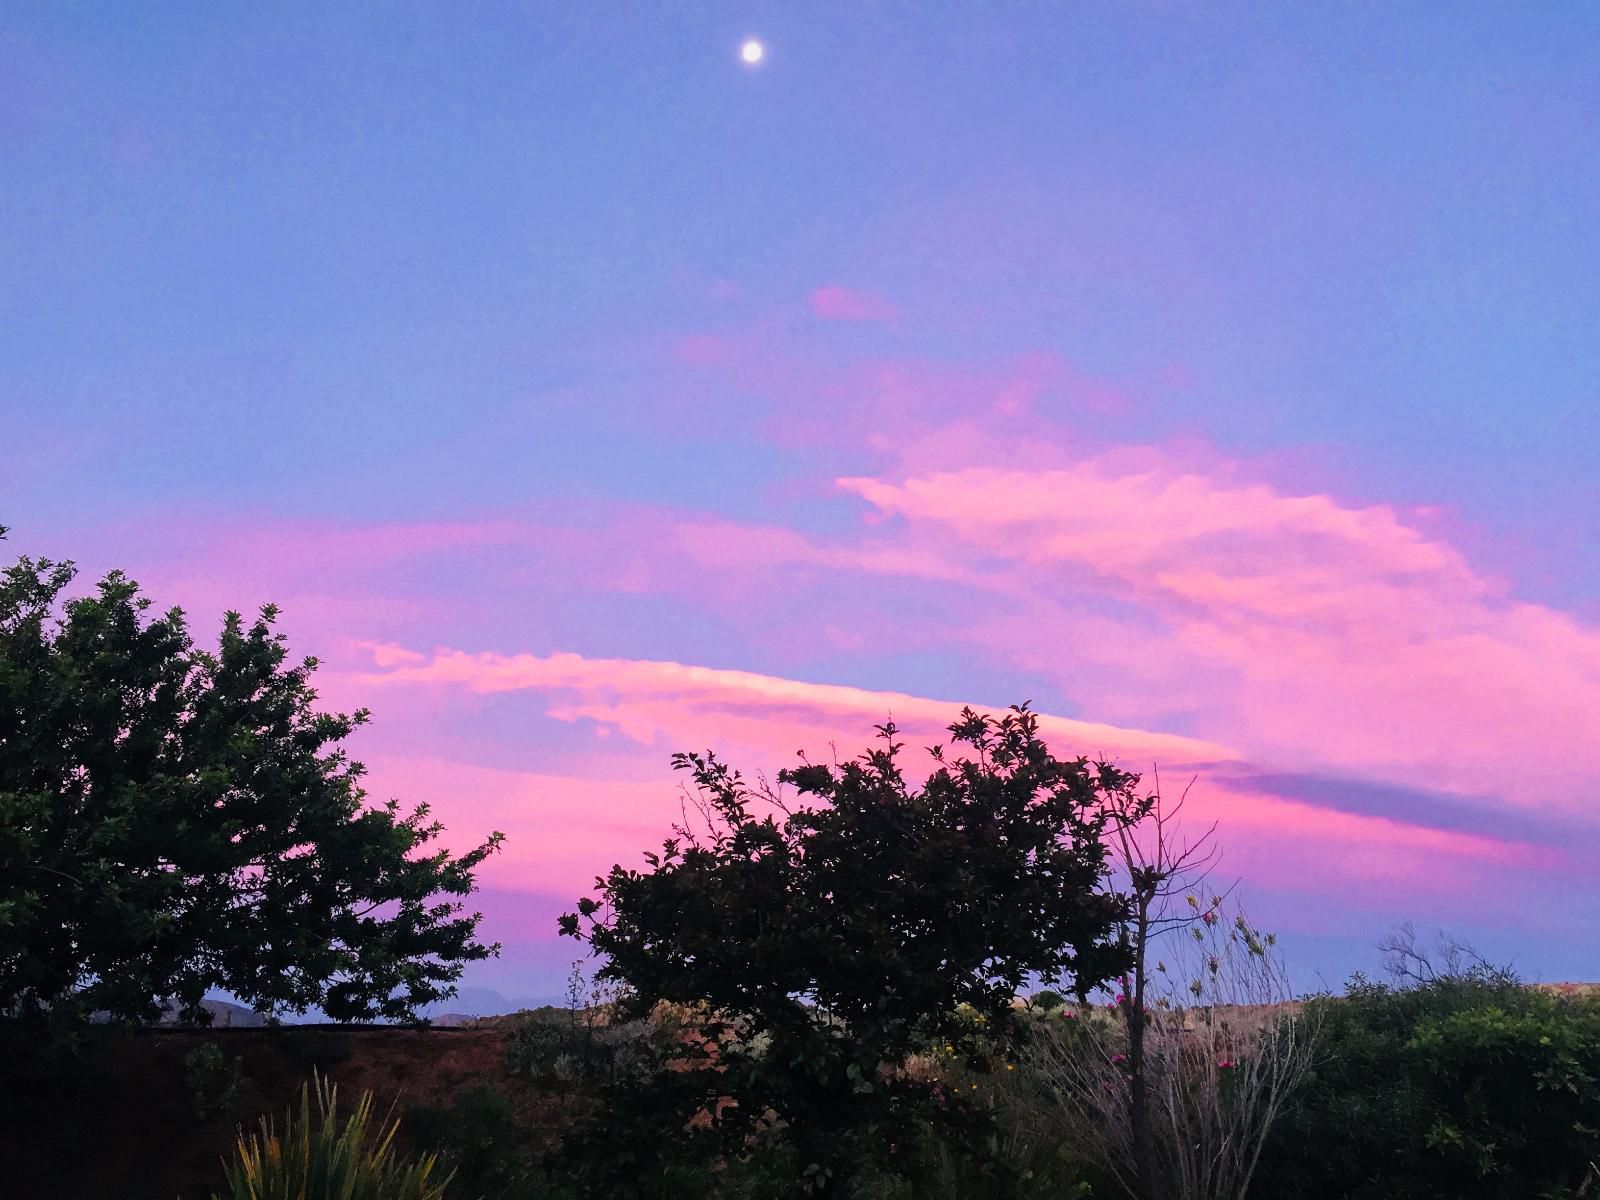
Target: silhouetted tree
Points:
(821, 944)
(1173, 1091)
(176, 820)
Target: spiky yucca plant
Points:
(320, 1156)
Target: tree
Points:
(1174, 1089)
(1409, 963)
(1223, 1052)
(823, 943)
(1160, 865)
(176, 820)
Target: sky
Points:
(1222, 379)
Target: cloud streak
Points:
(650, 701)
(760, 721)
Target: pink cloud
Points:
(679, 704)
(1125, 518)
(745, 547)
(703, 350)
(1162, 589)
(811, 398)
(561, 830)
(760, 721)
(1157, 588)
(837, 303)
(1352, 638)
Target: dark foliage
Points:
(175, 821)
(213, 1080)
(822, 940)
(487, 1154)
(1471, 1087)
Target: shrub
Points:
(1467, 1086)
(321, 1156)
(1033, 1154)
(586, 1048)
(1517, 1101)
(478, 1138)
(213, 1080)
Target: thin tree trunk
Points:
(1138, 1083)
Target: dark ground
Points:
(118, 1119)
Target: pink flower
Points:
(1119, 1058)
(1225, 1063)
(1209, 918)
(1067, 1014)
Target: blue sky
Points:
(497, 330)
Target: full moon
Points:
(752, 51)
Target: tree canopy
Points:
(826, 934)
(176, 820)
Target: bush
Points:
(1517, 1104)
(478, 1138)
(1470, 1087)
(321, 1157)
(1033, 1154)
(213, 1080)
(579, 1049)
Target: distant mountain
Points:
(486, 1002)
(224, 1015)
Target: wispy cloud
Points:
(678, 703)
(1349, 634)
(761, 722)
(837, 303)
